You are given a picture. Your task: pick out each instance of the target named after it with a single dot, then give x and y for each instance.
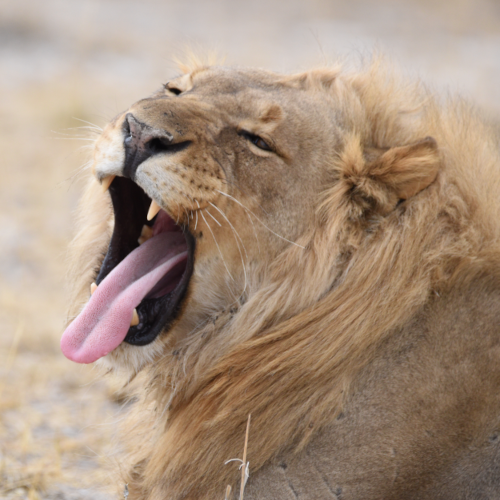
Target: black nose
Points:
(143, 141)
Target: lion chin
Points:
(319, 250)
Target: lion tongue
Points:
(105, 320)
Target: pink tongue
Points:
(105, 320)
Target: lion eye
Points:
(174, 90)
(257, 141)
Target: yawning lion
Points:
(321, 251)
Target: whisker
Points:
(196, 328)
(86, 165)
(72, 138)
(232, 227)
(83, 127)
(254, 231)
(268, 228)
(207, 212)
(88, 123)
(77, 173)
(86, 147)
(72, 135)
(238, 245)
(218, 248)
(196, 224)
(236, 236)
(90, 131)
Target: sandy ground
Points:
(66, 62)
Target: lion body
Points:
(345, 290)
(423, 421)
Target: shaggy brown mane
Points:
(292, 352)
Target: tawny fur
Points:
(313, 316)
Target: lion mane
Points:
(388, 207)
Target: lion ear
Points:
(377, 179)
(407, 169)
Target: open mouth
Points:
(142, 281)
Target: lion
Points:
(319, 251)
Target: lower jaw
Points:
(157, 315)
(129, 360)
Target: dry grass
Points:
(244, 466)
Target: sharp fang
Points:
(146, 233)
(106, 182)
(153, 210)
(135, 318)
(93, 288)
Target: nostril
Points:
(142, 141)
(127, 132)
(159, 145)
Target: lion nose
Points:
(142, 141)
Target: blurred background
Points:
(66, 64)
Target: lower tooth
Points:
(146, 233)
(135, 318)
(93, 288)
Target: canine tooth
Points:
(93, 288)
(135, 318)
(153, 210)
(146, 233)
(106, 182)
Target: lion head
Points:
(257, 237)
